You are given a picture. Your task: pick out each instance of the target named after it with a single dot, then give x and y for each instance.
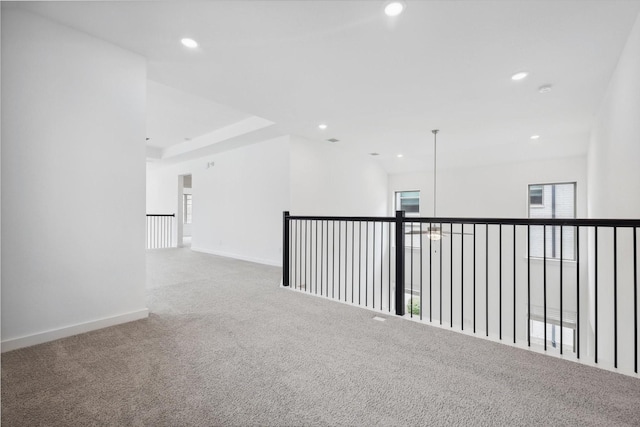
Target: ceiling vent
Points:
(333, 140)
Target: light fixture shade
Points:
(434, 233)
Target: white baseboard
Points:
(240, 257)
(55, 334)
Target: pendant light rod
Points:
(435, 133)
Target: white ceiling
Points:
(174, 116)
(381, 84)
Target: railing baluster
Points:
(321, 257)
(381, 264)
(430, 271)
(339, 255)
(353, 269)
(359, 260)
(528, 285)
(373, 267)
(474, 278)
(366, 267)
(451, 276)
(544, 282)
(346, 258)
(577, 292)
(615, 297)
(486, 282)
(316, 259)
(635, 301)
(462, 276)
(500, 282)
(596, 297)
(301, 235)
(327, 267)
(440, 274)
(514, 283)
(561, 265)
(389, 254)
(399, 230)
(420, 258)
(333, 259)
(305, 280)
(295, 253)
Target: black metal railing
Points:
(160, 231)
(577, 296)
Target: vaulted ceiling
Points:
(380, 84)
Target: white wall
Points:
(328, 181)
(497, 191)
(238, 203)
(614, 151)
(614, 180)
(73, 132)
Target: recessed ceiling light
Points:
(534, 137)
(519, 76)
(399, 155)
(322, 126)
(394, 8)
(544, 89)
(190, 43)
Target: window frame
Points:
(536, 205)
(396, 202)
(409, 227)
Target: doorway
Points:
(185, 211)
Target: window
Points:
(187, 204)
(536, 193)
(552, 201)
(408, 201)
(537, 330)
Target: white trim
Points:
(240, 257)
(67, 331)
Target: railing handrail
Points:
(161, 214)
(344, 218)
(580, 222)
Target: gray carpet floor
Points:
(225, 345)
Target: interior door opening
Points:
(185, 211)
